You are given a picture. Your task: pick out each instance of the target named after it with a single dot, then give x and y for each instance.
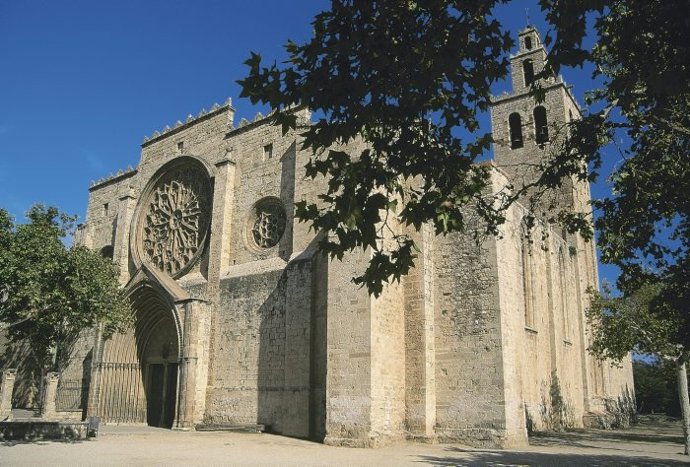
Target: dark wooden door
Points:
(154, 396)
(170, 394)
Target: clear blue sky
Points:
(83, 81)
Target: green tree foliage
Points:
(642, 56)
(643, 321)
(50, 293)
(656, 388)
(409, 79)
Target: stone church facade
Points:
(241, 321)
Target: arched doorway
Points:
(139, 370)
(158, 348)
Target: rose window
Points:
(176, 220)
(269, 224)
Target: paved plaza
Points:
(647, 444)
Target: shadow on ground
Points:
(582, 438)
(650, 433)
(651, 441)
(40, 442)
(471, 457)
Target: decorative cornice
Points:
(190, 120)
(112, 178)
(507, 96)
(260, 119)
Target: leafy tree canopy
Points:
(646, 321)
(641, 321)
(656, 388)
(409, 78)
(50, 293)
(642, 56)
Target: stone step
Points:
(249, 428)
(30, 430)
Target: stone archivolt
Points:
(176, 220)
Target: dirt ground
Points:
(655, 441)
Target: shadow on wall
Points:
(85, 383)
(291, 373)
(287, 196)
(268, 364)
(72, 391)
(27, 386)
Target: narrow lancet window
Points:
(562, 271)
(528, 72)
(515, 124)
(526, 261)
(540, 125)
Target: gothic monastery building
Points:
(240, 321)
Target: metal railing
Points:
(71, 395)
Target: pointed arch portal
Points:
(139, 370)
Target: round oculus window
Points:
(269, 222)
(176, 217)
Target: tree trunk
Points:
(684, 404)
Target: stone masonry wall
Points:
(526, 340)
(261, 369)
(102, 211)
(349, 347)
(521, 164)
(420, 353)
(262, 351)
(470, 395)
(288, 341)
(549, 345)
(388, 363)
(566, 267)
(258, 176)
(77, 374)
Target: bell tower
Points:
(525, 129)
(526, 133)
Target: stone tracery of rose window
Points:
(269, 224)
(176, 220)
